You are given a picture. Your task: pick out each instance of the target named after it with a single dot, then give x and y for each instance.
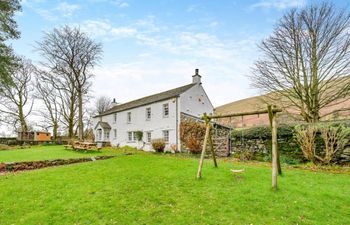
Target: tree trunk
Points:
(24, 127)
(80, 120)
(54, 130)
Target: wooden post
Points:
(274, 152)
(212, 147)
(279, 168)
(199, 173)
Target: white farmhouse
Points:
(157, 116)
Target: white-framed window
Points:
(128, 117)
(99, 134)
(148, 113)
(130, 136)
(166, 135)
(149, 136)
(115, 133)
(114, 118)
(106, 134)
(166, 110)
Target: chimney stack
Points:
(196, 78)
(114, 103)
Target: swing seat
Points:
(237, 171)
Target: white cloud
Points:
(192, 8)
(67, 9)
(46, 14)
(174, 56)
(166, 58)
(105, 30)
(278, 4)
(63, 9)
(120, 3)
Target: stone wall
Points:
(288, 147)
(220, 135)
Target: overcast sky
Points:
(151, 46)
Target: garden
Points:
(158, 188)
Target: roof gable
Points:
(149, 99)
(104, 125)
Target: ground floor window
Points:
(166, 135)
(115, 133)
(106, 134)
(149, 136)
(99, 134)
(130, 136)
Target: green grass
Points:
(47, 152)
(162, 189)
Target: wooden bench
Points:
(68, 147)
(85, 146)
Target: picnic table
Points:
(83, 146)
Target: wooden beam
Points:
(199, 173)
(274, 152)
(244, 113)
(212, 148)
(271, 117)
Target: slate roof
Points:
(104, 125)
(149, 99)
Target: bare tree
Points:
(16, 100)
(69, 52)
(102, 103)
(49, 94)
(306, 59)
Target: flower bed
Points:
(32, 165)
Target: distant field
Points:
(47, 152)
(162, 189)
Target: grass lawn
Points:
(47, 152)
(162, 189)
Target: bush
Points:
(322, 142)
(306, 138)
(4, 147)
(194, 145)
(158, 145)
(262, 132)
(192, 135)
(139, 135)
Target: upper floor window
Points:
(129, 117)
(148, 113)
(166, 110)
(166, 135)
(114, 118)
(115, 133)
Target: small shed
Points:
(34, 136)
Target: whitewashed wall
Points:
(155, 125)
(195, 101)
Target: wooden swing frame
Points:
(272, 112)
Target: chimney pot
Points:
(196, 78)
